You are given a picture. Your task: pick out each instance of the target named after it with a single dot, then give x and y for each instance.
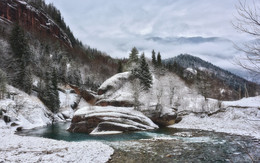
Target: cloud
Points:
(115, 26)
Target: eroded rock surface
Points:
(96, 119)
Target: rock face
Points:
(100, 119)
(29, 17)
(162, 116)
(115, 103)
(88, 95)
(114, 83)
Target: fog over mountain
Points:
(201, 28)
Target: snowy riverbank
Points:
(16, 148)
(239, 117)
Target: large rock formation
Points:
(95, 119)
(87, 95)
(161, 115)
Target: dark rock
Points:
(7, 119)
(19, 128)
(107, 126)
(114, 103)
(178, 119)
(160, 117)
(165, 120)
(88, 95)
(14, 124)
(101, 92)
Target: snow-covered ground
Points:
(14, 148)
(25, 111)
(29, 112)
(238, 117)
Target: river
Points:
(164, 145)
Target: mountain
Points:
(194, 68)
(48, 35)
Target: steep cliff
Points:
(36, 20)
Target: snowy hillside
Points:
(168, 90)
(237, 117)
(24, 110)
(27, 111)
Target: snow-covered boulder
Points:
(87, 95)
(23, 110)
(96, 119)
(161, 115)
(114, 83)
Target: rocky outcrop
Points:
(19, 11)
(99, 119)
(114, 103)
(114, 83)
(88, 95)
(162, 116)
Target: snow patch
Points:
(16, 148)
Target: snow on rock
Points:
(24, 110)
(99, 119)
(114, 83)
(193, 71)
(237, 117)
(16, 148)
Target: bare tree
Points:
(248, 21)
(136, 87)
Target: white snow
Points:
(115, 81)
(16, 148)
(27, 111)
(238, 117)
(117, 112)
(193, 71)
(96, 132)
(67, 99)
(244, 102)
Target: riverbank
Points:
(234, 117)
(188, 145)
(16, 148)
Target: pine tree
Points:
(55, 93)
(22, 59)
(2, 84)
(133, 56)
(74, 75)
(49, 91)
(120, 67)
(144, 74)
(153, 58)
(159, 60)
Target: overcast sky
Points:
(115, 26)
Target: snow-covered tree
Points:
(49, 90)
(120, 67)
(133, 56)
(133, 59)
(159, 59)
(2, 84)
(20, 64)
(74, 75)
(143, 73)
(153, 58)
